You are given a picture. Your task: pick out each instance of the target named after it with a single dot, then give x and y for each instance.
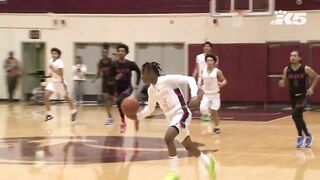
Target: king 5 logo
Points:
(289, 18)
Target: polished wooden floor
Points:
(90, 150)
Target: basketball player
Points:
(123, 69)
(213, 80)
(200, 61)
(297, 76)
(165, 90)
(106, 71)
(57, 84)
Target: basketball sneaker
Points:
(300, 141)
(172, 176)
(212, 169)
(123, 127)
(48, 117)
(216, 130)
(109, 121)
(308, 142)
(206, 117)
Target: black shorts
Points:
(108, 89)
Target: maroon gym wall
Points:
(244, 66)
(131, 6)
(247, 66)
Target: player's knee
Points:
(47, 95)
(296, 113)
(187, 143)
(168, 139)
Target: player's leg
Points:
(185, 139)
(169, 137)
(204, 109)
(209, 162)
(215, 119)
(108, 101)
(215, 106)
(295, 116)
(205, 115)
(63, 90)
(48, 92)
(303, 101)
(121, 96)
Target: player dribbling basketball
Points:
(165, 90)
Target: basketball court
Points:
(246, 149)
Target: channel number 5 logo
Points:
(288, 18)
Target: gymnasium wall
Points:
(253, 70)
(133, 7)
(244, 66)
(131, 29)
(106, 6)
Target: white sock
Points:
(174, 164)
(73, 111)
(49, 113)
(217, 127)
(204, 159)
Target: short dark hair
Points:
(214, 57)
(56, 50)
(152, 65)
(207, 42)
(105, 46)
(124, 46)
(78, 57)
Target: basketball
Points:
(130, 106)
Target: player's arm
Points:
(195, 71)
(284, 81)
(83, 68)
(134, 67)
(147, 109)
(314, 77)
(98, 75)
(222, 80)
(174, 80)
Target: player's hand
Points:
(119, 76)
(183, 124)
(200, 94)
(309, 92)
(220, 84)
(51, 67)
(282, 83)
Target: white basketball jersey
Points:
(57, 64)
(210, 81)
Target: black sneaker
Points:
(216, 131)
(48, 117)
(74, 116)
